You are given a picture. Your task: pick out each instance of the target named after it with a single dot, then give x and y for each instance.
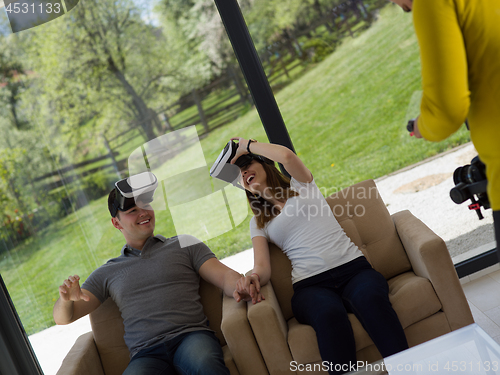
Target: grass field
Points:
(346, 118)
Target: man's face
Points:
(407, 5)
(137, 223)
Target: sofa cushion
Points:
(413, 298)
(302, 342)
(304, 345)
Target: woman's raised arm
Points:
(281, 154)
(261, 272)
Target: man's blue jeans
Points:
(324, 300)
(193, 353)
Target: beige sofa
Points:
(103, 351)
(424, 288)
(424, 291)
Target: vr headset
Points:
(225, 171)
(132, 190)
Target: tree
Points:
(103, 62)
(198, 26)
(12, 76)
(181, 21)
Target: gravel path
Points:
(424, 190)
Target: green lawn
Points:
(346, 118)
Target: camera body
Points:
(470, 183)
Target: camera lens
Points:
(460, 193)
(411, 125)
(458, 175)
(464, 174)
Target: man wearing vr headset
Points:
(154, 283)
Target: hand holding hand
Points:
(248, 289)
(70, 290)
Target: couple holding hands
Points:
(331, 277)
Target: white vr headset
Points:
(225, 171)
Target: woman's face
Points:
(254, 177)
(407, 5)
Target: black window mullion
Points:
(16, 354)
(253, 72)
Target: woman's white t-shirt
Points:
(308, 233)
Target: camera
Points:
(470, 183)
(410, 126)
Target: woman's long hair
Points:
(278, 187)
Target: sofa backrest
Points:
(108, 330)
(362, 214)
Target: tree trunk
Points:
(293, 40)
(13, 90)
(112, 157)
(317, 8)
(156, 121)
(144, 115)
(239, 85)
(203, 119)
(283, 65)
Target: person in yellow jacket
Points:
(460, 54)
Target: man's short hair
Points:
(111, 200)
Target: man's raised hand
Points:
(70, 290)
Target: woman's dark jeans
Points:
(324, 300)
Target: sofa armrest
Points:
(83, 358)
(240, 339)
(271, 332)
(430, 258)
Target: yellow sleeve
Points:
(446, 95)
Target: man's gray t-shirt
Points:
(156, 290)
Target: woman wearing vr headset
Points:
(330, 275)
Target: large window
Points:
(346, 75)
(86, 93)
